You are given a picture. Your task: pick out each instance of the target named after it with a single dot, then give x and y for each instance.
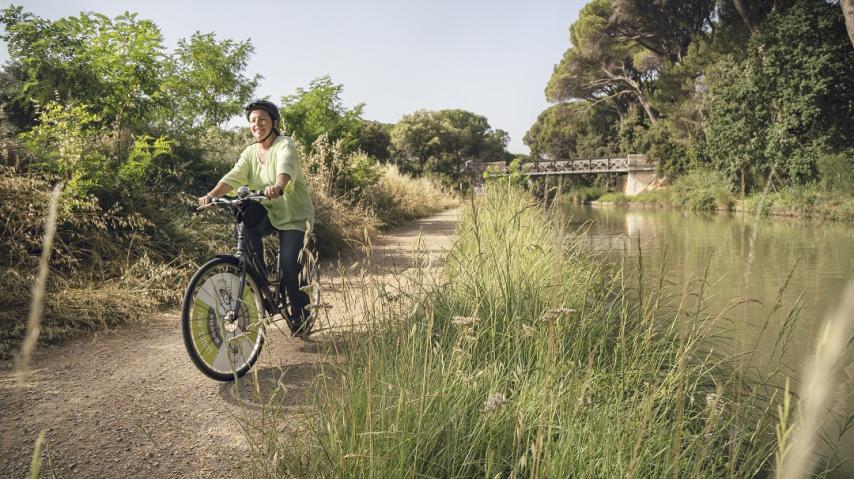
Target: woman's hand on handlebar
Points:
(205, 200)
(273, 191)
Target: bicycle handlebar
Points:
(248, 195)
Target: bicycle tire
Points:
(221, 344)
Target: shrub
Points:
(614, 197)
(585, 194)
(701, 190)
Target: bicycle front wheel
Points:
(223, 336)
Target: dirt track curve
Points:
(129, 403)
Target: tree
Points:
(444, 141)
(114, 66)
(573, 131)
(374, 138)
(207, 85)
(790, 97)
(307, 114)
(603, 67)
(665, 27)
(100, 103)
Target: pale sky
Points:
(493, 58)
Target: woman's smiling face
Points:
(260, 124)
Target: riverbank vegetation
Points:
(709, 191)
(530, 358)
(135, 133)
(761, 94)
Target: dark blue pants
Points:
(290, 245)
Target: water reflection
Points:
(784, 264)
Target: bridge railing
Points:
(569, 167)
(595, 165)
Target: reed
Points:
(37, 303)
(529, 358)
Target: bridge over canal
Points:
(638, 171)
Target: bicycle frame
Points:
(246, 258)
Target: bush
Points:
(837, 171)
(701, 190)
(584, 194)
(656, 197)
(809, 201)
(614, 197)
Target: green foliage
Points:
(120, 70)
(133, 173)
(616, 198)
(579, 130)
(206, 85)
(374, 138)
(602, 65)
(787, 101)
(584, 194)
(752, 90)
(515, 175)
(308, 114)
(670, 156)
(112, 65)
(444, 141)
(66, 143)
(807, 201)
(363, 172)
(837, 171)
(701, 190)
(664, 28)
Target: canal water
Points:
(741, 258)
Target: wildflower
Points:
(528, 330)
(554, 314)
(715, 403)
(464, 320)
(493, 402)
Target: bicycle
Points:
(229, 304)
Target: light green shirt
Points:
(293, 210)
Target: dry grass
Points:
(796, 456)
(37, 304)
(344, 217)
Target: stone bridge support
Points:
(637, 181)
(640, 173)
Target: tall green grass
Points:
(529, 358)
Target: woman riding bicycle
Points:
(271, 164)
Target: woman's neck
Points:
(268, 142)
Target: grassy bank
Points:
(110, 268)
(708, 191)
(530, 359)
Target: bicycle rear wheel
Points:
(223, 338)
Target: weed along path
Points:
(129, 403)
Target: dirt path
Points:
(129, 403)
